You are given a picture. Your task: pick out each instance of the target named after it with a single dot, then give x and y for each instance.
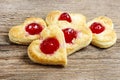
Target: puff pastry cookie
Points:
(76, 37)
(50, 49)
(55, 16)
(104, 35)
(27, 32)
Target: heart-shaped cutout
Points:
(27, 32)
(50, 49)
(104, 35)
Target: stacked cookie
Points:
(51, 41)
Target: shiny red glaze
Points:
(33, 28)
(97, 28)
(69, 34)
(65, 16)
(49, 45)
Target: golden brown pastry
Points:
(55, 16)
(104, 35)
(50, 49)
(76, 37)
(27, 32)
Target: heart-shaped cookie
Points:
(50, 49)
(27, 32)
(76, 37)
(74, 18)
(104, 35)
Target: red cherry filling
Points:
(49, 45)
(97, 28)
(65, 16)
(69, 34)
(33, 28)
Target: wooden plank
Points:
(89, 52)
(90, 63)
(85, 68)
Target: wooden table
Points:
(90, 63)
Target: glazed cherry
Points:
(33, 28)
(49, 45)
(65, 16)
(69, 34)
(97, 28)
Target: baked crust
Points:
(58, 58)
(108, 37)
(18, 35)
(77, 19)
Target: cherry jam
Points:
(97, 28)
(65, 16)
(69, 34)
(49, 45)
(33, 28)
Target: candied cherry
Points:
(49, 45)
(33, 28)
(97, 28)
(69, 34)
(65, 16)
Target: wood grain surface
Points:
(90, 63)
